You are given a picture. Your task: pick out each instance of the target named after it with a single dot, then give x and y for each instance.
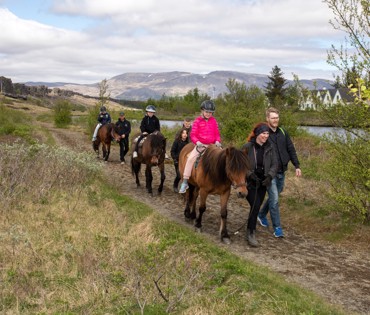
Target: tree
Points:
(275, 88)
(351, 17)
(240, 108)
(349, 164)
(104, 95)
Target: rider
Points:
(103, 118)
(149, 124)
(204, 132)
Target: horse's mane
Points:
(157, 140)
(215, 166)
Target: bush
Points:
(62, 114)
(36, 170)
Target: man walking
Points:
(285, 152)
(124, 128)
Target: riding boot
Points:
(251, 238)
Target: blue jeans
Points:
(272, 202)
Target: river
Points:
(317, 131)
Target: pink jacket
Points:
(205, 131)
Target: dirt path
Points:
(340, 276)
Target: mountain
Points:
(141, 86)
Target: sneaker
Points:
(166, 156)
(175, 189)
(263, 221)
(134, 155)
(278, 232)
(183, 188)
(123, 162)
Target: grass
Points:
(83, 248)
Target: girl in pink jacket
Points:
(203, 133)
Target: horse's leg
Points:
(149, 179)
(104, 148)
(107, 152)
(135, 167)
(163, 177)
(224, 198)
(96, 145)
(202, 208)
(191, 197)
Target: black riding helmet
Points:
(103, 109)
(208, 105)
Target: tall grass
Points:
(71, 244)
(14, 122)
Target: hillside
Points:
(141, 86)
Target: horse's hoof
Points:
(198, 229)
(226, 240)
(189, 220)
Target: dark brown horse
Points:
(216, 172)
(105, 135)
(151, 153)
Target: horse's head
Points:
(115, 135)
(237, 166)
(155, 148)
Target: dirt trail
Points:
(339, 275)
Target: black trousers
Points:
(256, 194)
(123, 148)
(178, 176)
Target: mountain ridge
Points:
(143, 85)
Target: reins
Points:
(249, 215)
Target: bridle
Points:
(235, 186)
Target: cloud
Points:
(163, 35)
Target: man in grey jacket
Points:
(285, 152)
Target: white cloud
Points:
(166, 35)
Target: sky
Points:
(86, 41)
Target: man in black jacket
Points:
(285, 152)
(124, 129)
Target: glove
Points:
(253, 178)
(218, 144)
(199, 144)
(267, 181)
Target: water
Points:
(317, 131)
(171, 123)
(320, 131)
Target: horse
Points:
(105, 135)
(151, 153)
(215, 172)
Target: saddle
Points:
(141, 141)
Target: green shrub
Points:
(62, 114)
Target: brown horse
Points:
(151, 153)
(105, 135)
(215, 173)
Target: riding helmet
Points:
(150, 109)
(208, 105)
(103, 109)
